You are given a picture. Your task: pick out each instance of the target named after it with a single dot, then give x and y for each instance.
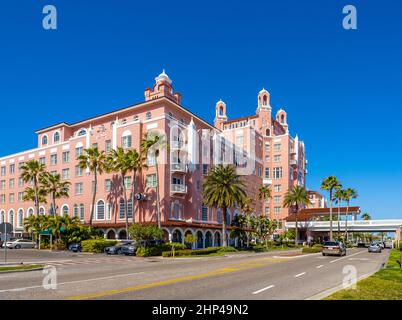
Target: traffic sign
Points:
(6, 227)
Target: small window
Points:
(64, 210)
(148, 116)
(44, 140)
(135, 118)
(56, 137)
(82, 132)
(100, 210)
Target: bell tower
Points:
(220, 114)
(264, 112)
(162, 88)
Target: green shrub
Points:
(140, 232)
(96, 245)
(176, 245)
(312, 249)
(227, 249)
(149, 251)
(189, 252)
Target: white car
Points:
(19, 244)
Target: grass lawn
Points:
(386, 284)
(21, 267)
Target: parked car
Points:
(333, 248)
(374, 247)
(388, 244)
(75, 247)
(361, 244)
(19, 244)
(129, 249)
(117, 248)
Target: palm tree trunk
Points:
(224, 236)
(133, 190)
(54, 204)
(346, 222)
(296, 226)
(94, 196)
(158, 209)
(36, 197)
(339, 223)
(330, 216)
(125, 202)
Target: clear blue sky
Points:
(342, 89)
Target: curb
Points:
(18, 271)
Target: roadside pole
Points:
(5, 244)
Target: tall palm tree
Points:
(264, 193)
(246, 207)
(55, 187)
(223, 188)
(136, 162)
(339, 196)
(350, 194)
(95, 161)
(152, 144)
(366, 216)
(330, 184)
(119, 162)
(296, 197)
(31, 172)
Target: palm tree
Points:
(246, 207)
(31, 195)
(223, 188)
(296, 197)
(55, 187)
(330, 183)
(264, 193)
(350, 194)
(136, 162)
(119, 162)
(152, 144)
(366, 216)
(339, 196)
(95, 161)
(31, 172)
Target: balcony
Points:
(305, 171)
(178, 189)
(178, 167)
(292, 151)
(176, 144)
(266, 182)
(293, 162)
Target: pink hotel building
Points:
(273, 157)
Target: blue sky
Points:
(341, 88)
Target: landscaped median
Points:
(21, 268)
(386, 284)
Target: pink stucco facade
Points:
(273, 156)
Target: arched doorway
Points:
(165, 236)
(217, 239)
(122, 234)
(177, 236)
(200, 240)
(188, 232)
(208, 239)
(111, 235)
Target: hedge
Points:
(189, 252)
(97, 245)
(314, 249)
(157, 250)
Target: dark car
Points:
(130, 249)
(333, 248)
(117, 248)
(75, 247)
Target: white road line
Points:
(347, 257)
(320, 266)
(300, 274)
(71, 282)
(263, 289)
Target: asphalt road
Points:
(275, 275)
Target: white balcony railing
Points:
(178, 167)
(178, 188)
(293, 162)
(175, 144)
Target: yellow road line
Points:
(239, 267)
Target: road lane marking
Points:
(72, 282)
(264, 289)
(300, 274)
(320, 266)
(346, 257)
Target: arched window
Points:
(41, 211)
(2, 216)
(82, 132)
(267, 132)
(265, 100)
(219, 216)
(221, 111)
(282, 118)
(75, 210)
(11, 217)
(44, 140)
(56, 137)
(30, 212)
(100, 210)
(20, 219)
(130, 208)
(148, 116)
(64, 210)
(82, 211)
(126, 139)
